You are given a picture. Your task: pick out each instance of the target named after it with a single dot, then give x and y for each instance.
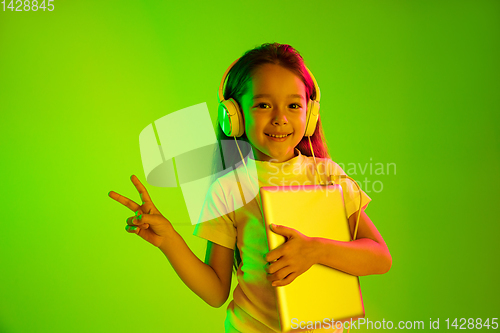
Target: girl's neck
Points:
(259, 156)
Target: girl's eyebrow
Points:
(267, 95)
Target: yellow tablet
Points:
(322, 294)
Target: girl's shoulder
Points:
(233, 178)
(336, 169)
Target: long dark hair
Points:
(269, 53)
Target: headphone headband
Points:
(220, 92)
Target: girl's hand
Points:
(147, 222)
(292, 258)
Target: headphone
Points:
(231, 117)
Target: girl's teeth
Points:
(278, 136)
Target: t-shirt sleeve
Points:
(350, 191)
(216, 222)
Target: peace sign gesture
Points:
(147, 222)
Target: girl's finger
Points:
(149, 208)
(132, 229)
(276, 266)
(137, 221)
(124, 201)
(148, 219)
(285, 281)
(142, 190)
(283, 273)
(275, 254)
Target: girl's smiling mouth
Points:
(278, 136)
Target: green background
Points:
(413, 83)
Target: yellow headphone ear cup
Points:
(311, 117)
(230, 118)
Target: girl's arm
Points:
(210, 280)
(366, 255)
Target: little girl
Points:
(272, 90)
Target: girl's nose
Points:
(280, 118)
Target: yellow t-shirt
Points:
(230, 219)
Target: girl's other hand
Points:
(292, 258)
(147, 222)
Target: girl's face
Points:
(274, 105)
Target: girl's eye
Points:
(267, 106)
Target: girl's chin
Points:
(276, 156)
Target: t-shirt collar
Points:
(285, 167)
